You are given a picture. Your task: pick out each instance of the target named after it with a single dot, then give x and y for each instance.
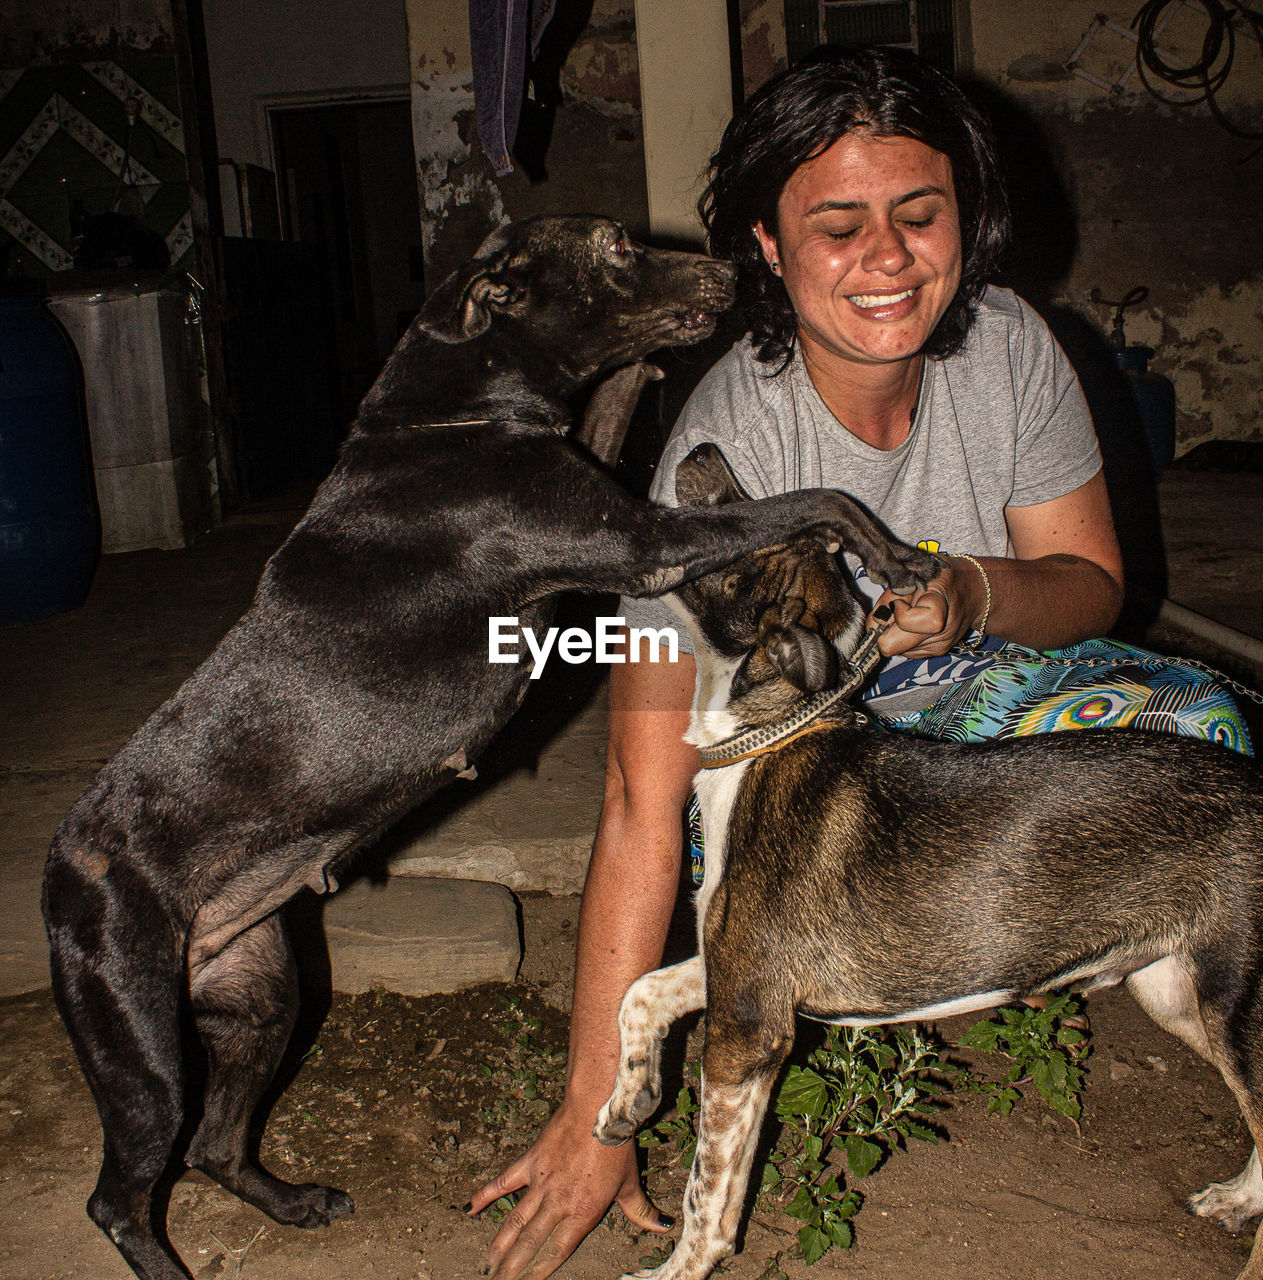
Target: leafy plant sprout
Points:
(861, 1094)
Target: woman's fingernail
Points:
(883, 613)
(467, 1206)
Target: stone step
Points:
(420, 937)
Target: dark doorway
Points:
(281, 365)
(311, 318)
(347, 178)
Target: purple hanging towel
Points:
(498, 32)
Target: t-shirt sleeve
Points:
(712, 415)
(1057, 449)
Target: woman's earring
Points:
(776, 267)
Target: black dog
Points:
(864, 876)
(358, 683)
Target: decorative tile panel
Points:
(64, 147)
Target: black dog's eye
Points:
(622, 246)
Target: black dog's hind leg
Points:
(117, 977)
(245, 1003)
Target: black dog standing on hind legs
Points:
(866, 877)
(358, 683)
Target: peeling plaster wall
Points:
(1136, 192)
(37, 35)
(595, 160)
(764, 51)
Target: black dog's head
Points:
(580, 291)
(771, 626)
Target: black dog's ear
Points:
(802, 657)
(460, 308)
(704, 479)
(498, 240)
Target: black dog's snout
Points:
(719, 274)
(718, 281)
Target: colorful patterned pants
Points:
(1097, 684)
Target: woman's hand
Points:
(568, 1181)
(928, 623)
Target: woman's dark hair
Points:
(802, 112)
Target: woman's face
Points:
(868, 244)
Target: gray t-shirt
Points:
(1001, 423)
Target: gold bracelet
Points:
(981, 628)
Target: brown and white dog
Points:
(867, 877)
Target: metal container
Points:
(145, 412)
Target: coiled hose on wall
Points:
(1206, 76)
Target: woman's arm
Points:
(1065, 583)
(567, 1179)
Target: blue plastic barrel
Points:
(50, 531)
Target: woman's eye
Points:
(919, 222)
(842, 233)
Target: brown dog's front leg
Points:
(651, 1005)
(610, 409)
(734, 1102)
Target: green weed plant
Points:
(863, 1093)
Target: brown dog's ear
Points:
(460, 308)
(499, 239)
(802, 657)
(704, 479)
(797, 651)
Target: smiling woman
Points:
(859, 197)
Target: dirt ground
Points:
(409, 1103)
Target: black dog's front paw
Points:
(905, 569)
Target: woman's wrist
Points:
(979, 592)
(1044, 603)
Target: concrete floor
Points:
(76, 686)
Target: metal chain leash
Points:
(1235, 685)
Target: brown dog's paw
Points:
(619, 1119)
(1232, 1204)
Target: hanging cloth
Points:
(499, 31)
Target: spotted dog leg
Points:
(651, 1005)
(737, 1082)
(1235, 1201)
(1167, 992)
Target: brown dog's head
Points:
(582, 290)
(772, 625)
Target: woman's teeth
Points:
(870, 300)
